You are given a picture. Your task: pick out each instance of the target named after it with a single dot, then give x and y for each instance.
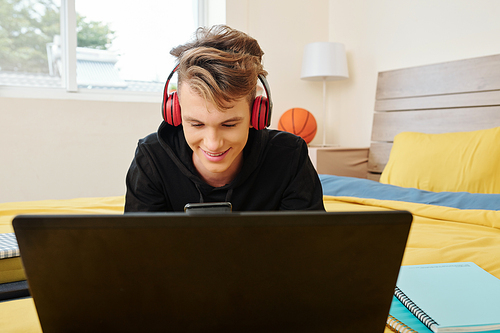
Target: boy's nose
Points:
(213, 141)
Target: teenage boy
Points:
(214, 145)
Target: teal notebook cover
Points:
(451, 297)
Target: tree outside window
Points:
(116, 49)
(27, 26)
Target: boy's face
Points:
(216, 137)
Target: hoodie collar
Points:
(174, 143)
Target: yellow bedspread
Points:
(438, 234)
(105, 205)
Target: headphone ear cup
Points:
(172, 110)
(260, 113)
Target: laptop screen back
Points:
(238, 272)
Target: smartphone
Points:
(208, 207)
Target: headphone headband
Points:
(261, 109)
(263, 80)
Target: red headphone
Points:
(261, 109)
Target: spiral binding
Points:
(398, 326)
(417, 312)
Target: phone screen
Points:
(208, 207)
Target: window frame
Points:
(69, 88)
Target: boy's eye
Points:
(229, 125)
(196, 124)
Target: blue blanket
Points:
(365, 188)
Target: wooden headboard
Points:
(454, 96)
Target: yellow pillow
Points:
(456, 162)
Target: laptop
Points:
(232, 272)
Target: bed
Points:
(435, 152)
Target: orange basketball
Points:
(299, 122)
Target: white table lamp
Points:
(324, 61)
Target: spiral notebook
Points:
(451, 297)
(401, 320)
(233, 272)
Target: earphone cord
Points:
(229, 194)
(199, 191)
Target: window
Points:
(136, 55)
(91, 45)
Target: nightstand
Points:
(340, 161)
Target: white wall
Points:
(390, 34)
(61, 149)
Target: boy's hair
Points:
(221, 64)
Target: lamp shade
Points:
(324, 61)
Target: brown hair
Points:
(221, 64)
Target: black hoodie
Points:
(276, 175)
